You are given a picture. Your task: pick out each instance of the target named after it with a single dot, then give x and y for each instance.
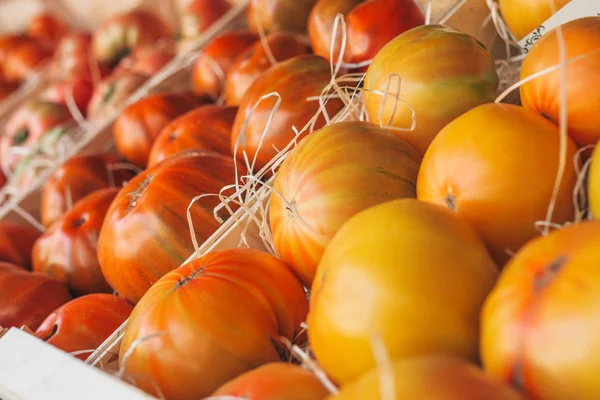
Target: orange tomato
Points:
(539, 323)
(523, 17)
(275, 381)
(411, 274)
(333, 174)
(214, 319)
(543, 93)
(431, 377)
(443, 73)
(496, 166)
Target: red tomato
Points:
(369, 25)
(67, 250)
(213, 63)
(147, 60)
(79, 88)
(139, 124)
(75, 179)
(146, 234)
(24, 59)
(83, 324)
(275, 381)
(199, 15)
(279, 15)
(27, 298)
(16, 242)
(121, 35)
(8, 44)
(112, 92)
(249, 65)
(205, 128)
(229, 309)
(73, 56)
(295, 80)
(47, 27)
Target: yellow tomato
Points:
(408, 272)
(523, 17)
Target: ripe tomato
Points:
(146, 233)
(199, 15)
(522, 17)
(75, 179)
(295, 80)
(252, 62)
(443, 72)
(370, 26)
(72, 56)
(423, 274)
(205, 128)
(503, 184)
(275, 381)
(112, 92)
(279, 15)
(215, 59)
(122, 34)
(543, 94)
(230, 308)
(46, 27)
(79, 88)
(67, 251)
(550, 287)
(333, 174)
(16, 242)
(24, 59)
(430, 377)
(83, 324)
(147, 60)
(140, 123)
(27, 298)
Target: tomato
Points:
(75, 179)
(24, 60)
(83, 324)
(422, 274)
(279, 15)
(275, 381)
(199, 15)
(252, 62)
(503, 184)
(146, 233)
(140, 123)
(72, 55)
(543, 94)
(550, 287)
(444, 73)
(79, 88)
(230, 309)
(67, 251)
(370, 25)
(206, 128)
(333, 174)
(112, 92)
(16, 242)
(147, 60)
(523, 17)
(215, 60)
(430, 377)
(47, 27)
(8, 44)
(295, 80)
(27, 298)
(118, 37)
(28, 124)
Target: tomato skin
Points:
(230, 308)
(112, 92)
(275, 381)
(543, 94)
(333, 174)
(72, 57)
(370, 25)
(75, 179)
(199, 15)
(67, 251)
(147, 60)
(222, 51)
(140, 123)
(431, 377)
(206, 128)
(24, 59)
(252, 62)
(550, 287)
(16, 242)
(27, 298)
(295, 80)
(84, 323)
(47, 27)
(80, 88)
(488, 182)
(279, 15)
(146, 233)
(438, 92)
(522, 17)
(402, 256)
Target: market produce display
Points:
(329, 199)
